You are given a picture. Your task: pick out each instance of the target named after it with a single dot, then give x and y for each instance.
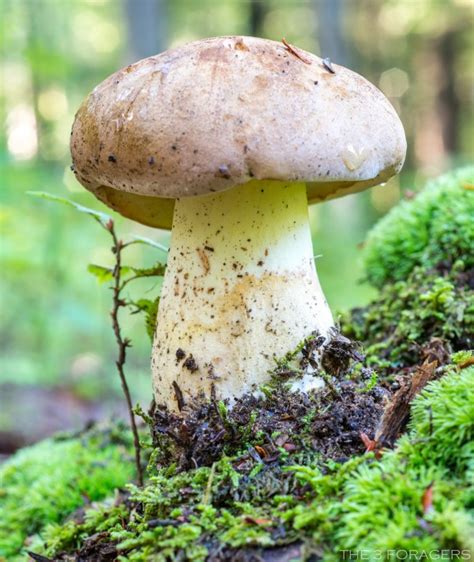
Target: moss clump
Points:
(434, 229)
(48, 481)
(428, 313)
(362, 504)
(420, 256)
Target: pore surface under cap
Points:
(220, 112)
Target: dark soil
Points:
(329, 421)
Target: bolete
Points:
(226, 141)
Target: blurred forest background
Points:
(57, 349)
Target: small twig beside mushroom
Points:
(120, 276)
(294, 52)
(123, 343)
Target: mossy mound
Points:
(415, 497)
(430, 314)
(435, 229)
(420, 256)
(44, 483)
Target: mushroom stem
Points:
(240, 288)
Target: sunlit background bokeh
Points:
(57, 349)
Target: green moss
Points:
(375, 505)
(434, 228)
(46, 482)
(362, 504)
(383, 502)
(420, 256)
(404, 318)
(443, 416)
(185, 497)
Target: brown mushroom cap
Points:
(220, 112)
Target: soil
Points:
(329, 421)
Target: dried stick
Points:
(122, 342)
(397, 412)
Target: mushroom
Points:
(226, 140)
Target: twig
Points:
(294, 52)
(123, 343)
(397, 412)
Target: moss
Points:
(46, 482)
(407, 316)
(170, 517)
(434, 228)
(383, 504)
(362, 504)
(443, 416)
(420, 256)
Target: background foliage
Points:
(54, 322)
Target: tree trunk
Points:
(146, 20)
(447, 102)
(258, 10)
(330, 30)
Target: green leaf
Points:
(138, 411)
(158, 270)
(103, 274)
(149, 242)
(150, 308)
(102, 218)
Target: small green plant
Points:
(118, 277)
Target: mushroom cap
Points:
(220, 112)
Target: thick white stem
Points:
(240, 288)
